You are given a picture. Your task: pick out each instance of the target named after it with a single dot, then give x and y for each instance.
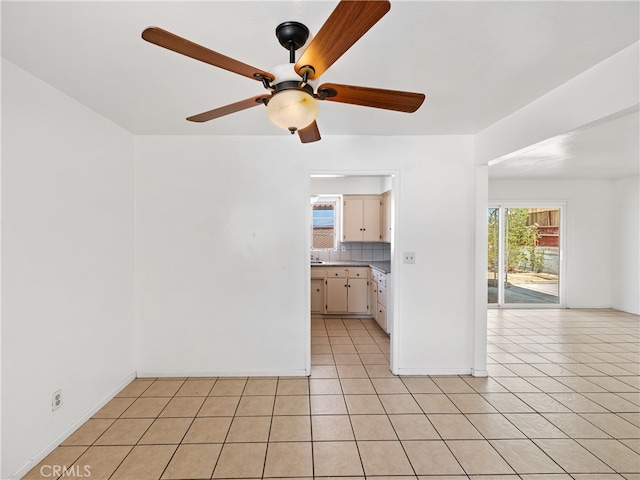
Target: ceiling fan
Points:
(293, 91)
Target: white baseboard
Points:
(433, 371)
(186, 373)
(65, 434)
(479, 373)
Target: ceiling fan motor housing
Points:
(286, 77)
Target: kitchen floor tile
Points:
(208, 430)
(292, 459)
(193, 462)
(471, 403)
(89, 432)
(432, 457)
(543, 403)
(389, 385)
(413, 427)
(290, 429)
(506, 403)
(145, 462)
(478, 457)
(328, 405)
(453, 426)
(357, 386)
(352, 371)
(572, 456)
(219, 407)
(125, 431)
(372, 427)
(196, 388)
(613, 425)
(241, 460)
(435, 403)
(146, 407)
(163, 388)
(420, 385)
(453, 385)
(60, 456)
(166, 431)
(494, 426)
(336, 459)
(136, 388)
(399, 403)
(325, 386)
(616, 455)
(255, 406)
(115, 407)
(293, 386)
(574, 425)
(363, 404)
(534, 425)
(183, 407)
(291, 405)
(99, 461)
(228, 387)
(256, 386)
(249, 429)
(331, 428)
(525, 457)
(384, 458)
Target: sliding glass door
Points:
(524, 256)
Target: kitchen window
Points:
(324, 223)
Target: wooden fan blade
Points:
(373, 97)
(173, 42)
(347, 23)
(227, 109)
(310, 133)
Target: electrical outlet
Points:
(56, 400)
(409, 257)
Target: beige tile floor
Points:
(562, 402)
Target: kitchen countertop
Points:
(383, 266)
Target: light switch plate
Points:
(409, 257)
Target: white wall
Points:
(67, 264)
(626, 245)
(589, 232)
(222, 250)
(349, 185)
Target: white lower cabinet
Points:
(317, 295)
(350, 290)
(381, 301)
(347, 290)
(373, 294)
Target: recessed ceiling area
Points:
(606, 150)
(476, 61)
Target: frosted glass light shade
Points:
(292, 109)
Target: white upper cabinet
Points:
(361, 218)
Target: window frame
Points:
(327, 199)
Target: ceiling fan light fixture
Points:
(292, 109)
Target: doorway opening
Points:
(351, 301)
(525, 256)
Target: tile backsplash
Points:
(374, 251)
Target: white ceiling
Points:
(476, 61)
(608, 149)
